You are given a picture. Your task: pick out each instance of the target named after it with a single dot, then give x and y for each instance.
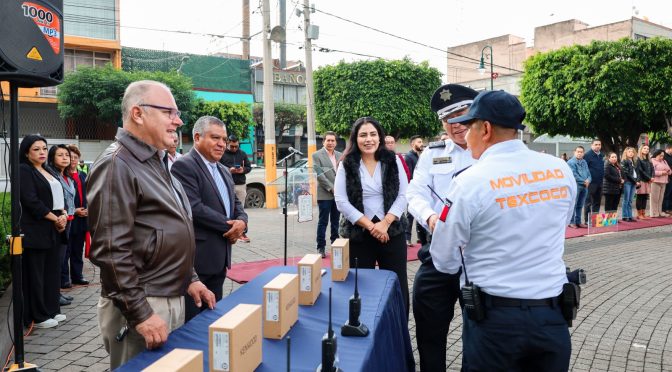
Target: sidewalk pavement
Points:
(625, 322)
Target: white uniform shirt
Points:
(435, 168)
(372, 193)
(509, 213)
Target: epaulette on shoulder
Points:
(437, 144)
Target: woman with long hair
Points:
(73, 262)
(661, 171)
(43, 219)
(369, 190)
(644, 169)
(631, 182)
(612, 184)
(59, 164)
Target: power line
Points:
(409, 40)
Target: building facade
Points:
(509, 52)
(91, 39)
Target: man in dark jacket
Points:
(142, 235)
(219, 218)
(667, 198)
(595, 160)
(411, 159)
(239, 165)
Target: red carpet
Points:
(246, 271)
(622, 226)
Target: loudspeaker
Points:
(31, 42)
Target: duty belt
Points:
(496, 301)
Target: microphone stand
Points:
(284, 207)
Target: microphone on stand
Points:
(294, 151)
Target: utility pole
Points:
(283, 24)
(310, 92)
(269, 111)
(246, 29)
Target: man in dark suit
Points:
(218, 216)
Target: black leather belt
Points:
(497, 301)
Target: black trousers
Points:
(214, 283)
(73, 262)
(517, 339)
(389, 256)
(641, 201)
(611, 202)
(434, 297)
(593, 200)
(41, 284)
(667, 198)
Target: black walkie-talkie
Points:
(329, 346)
(289, 354)
(353, 327)
(471, 295)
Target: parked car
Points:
(256, 182)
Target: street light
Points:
(481, 67)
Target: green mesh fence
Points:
(206, 72)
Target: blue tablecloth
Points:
(386, 348)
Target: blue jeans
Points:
(328, 212)
(581, 193)
(628, 195)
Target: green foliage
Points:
(611, 90)
(6, 220)
(286, 116)
(95, 93)
(396, 93)
(236, 116)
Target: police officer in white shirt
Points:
(509, 213)
(435, 293)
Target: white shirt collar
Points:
(206, 161)
(503, 147)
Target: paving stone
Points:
(627, 301)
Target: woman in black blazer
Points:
(42, 220)
(612, 184)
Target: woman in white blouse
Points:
(370, 191)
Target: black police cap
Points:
(452, 98)
(496, 106)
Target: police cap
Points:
(452, 98)
(496, 106)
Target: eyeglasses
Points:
(172, 113)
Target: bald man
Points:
(141, 228)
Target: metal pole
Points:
(492, 72)
(269, 111)
(246, 29)
(284, 209)
(310, 89)
(17, 283)
(283, 24)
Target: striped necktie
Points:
(221, 187)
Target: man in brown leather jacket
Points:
(141, 228)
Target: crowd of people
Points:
(54, 224)
(162, 224)
(637, 176)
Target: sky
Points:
(437, 24)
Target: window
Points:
(74, 58)
(77, 58)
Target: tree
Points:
(287, 115)
(610, 90)
(396, 93)
(237, 116)
(95, 94)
